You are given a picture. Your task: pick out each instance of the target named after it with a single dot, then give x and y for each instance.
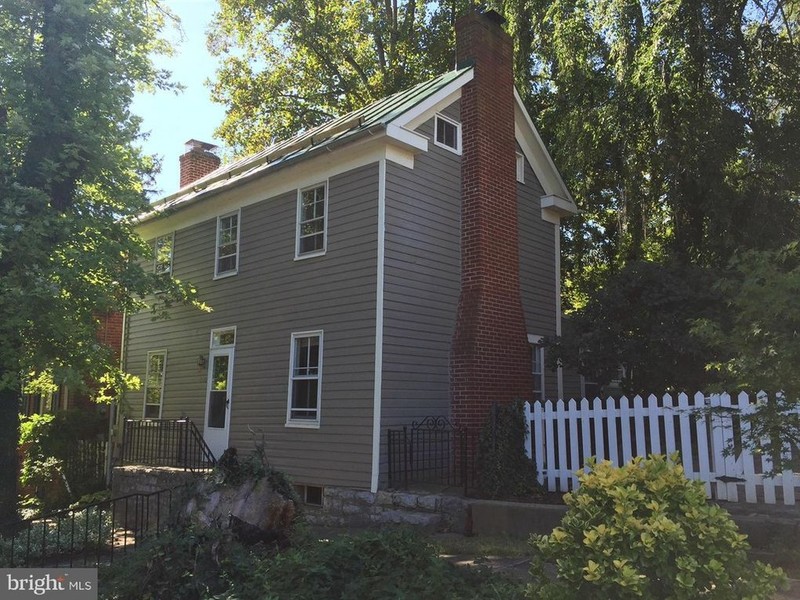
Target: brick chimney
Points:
(198, 161)
(490, 359)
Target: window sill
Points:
(310, 255)
(456, 151)
(302, 424)
(226, 274)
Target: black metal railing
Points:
(85, 465)
(164, 443)
(430, 451)
(90, 535)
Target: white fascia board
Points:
(416, 116)
(271, 184)
(555, 207)
(405, 137)
(542, 163)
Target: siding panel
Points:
(272, 296)
(537, 257)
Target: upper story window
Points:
(448, 133)
(305, 379)
(227, 255)
(154, 383)
(520, 167)
(312, 204)
(163, 254)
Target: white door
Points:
(218, 400)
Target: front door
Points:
(218, 400)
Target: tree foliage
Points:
(762, 322)
(640, 322)
(291, 64)
(71, 179)
(676, 124)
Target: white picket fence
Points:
(563, 435)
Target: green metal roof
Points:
(378, 114)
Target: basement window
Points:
(448, 133)
(309, 494)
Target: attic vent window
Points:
(448, 134)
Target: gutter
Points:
(282, 161)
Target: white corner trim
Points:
(377, 398)
(557, 245)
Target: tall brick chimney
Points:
(198, 161)
(490, 359)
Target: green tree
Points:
(71, 178)
(762, 327)
(676, 124)
(641, 321)
(292, 64)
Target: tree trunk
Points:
(9, 459)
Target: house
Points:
(398, 262)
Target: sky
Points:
(172, 119)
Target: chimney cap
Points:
(198, 145)
(494, 16)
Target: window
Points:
(163, 254)
(223, 337)
(520, 168)
(227, 260)
(309, 494)
(154, 384)
(311, 221)
(305, 379)
(448, 133)
(537, 353)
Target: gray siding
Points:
(422, 280)
(272, 296)
(537, 257)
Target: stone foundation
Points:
(345, 507)
(144, 480)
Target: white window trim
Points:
(436, 142)
(218, 330)
(304, 423)
(171, 252)
(537, 340)
(163, 381)
(520, 167)
(217, 274)
(305, 255)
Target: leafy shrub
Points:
(387, 565)
(645, 531)
(47, 442)
(504, 470)
(195, 564)
(186, 564)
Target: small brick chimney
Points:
(198, 161)
(490, 358)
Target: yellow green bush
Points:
(645, 531)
